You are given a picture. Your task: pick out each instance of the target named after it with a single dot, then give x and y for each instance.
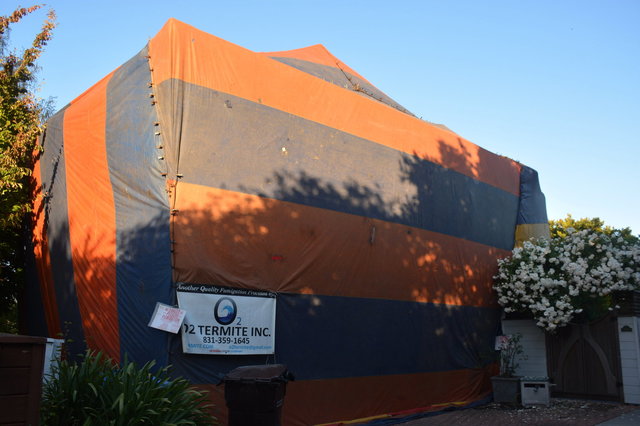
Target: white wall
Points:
(51, 355)
(630, 358)
(533, 344)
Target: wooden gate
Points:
(583, 360)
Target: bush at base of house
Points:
(96, 391)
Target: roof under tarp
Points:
(199, 161)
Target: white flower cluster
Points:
(550, 278)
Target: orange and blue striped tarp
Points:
(199, 161)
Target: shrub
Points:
(510, 353)
(95, 391)
(555, 280)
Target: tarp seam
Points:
(357, 88)
(172, 185)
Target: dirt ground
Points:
(561, 412)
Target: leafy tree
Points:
(22, 117)
(559, 228)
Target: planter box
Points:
(534, 390)
(506, 389)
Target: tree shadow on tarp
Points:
(344, 250)
(353, 268)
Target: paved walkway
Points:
(631, 418)
(560, 413)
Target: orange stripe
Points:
(236, 239)
(182, 52)
(92, 226)
(335, 401)
(43, 261)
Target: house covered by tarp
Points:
(201, 163)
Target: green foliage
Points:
(21, 121)
(594, 307)
(95, 391)
(8, 319)
(559, 228)
(20, 116)
(574, 276)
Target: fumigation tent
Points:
(284, 177)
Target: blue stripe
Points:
(54, 182)
(231, 143)
(322, 337)
(34, 318)
(143, 257)
(533, 207)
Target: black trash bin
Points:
(255, 394)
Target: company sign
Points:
(227, 321)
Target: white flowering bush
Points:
(555, 280)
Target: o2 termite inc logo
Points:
(225, 311)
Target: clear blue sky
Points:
(554, 84)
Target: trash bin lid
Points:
(270, 372)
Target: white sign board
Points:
(167, 318)
(227, 321)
